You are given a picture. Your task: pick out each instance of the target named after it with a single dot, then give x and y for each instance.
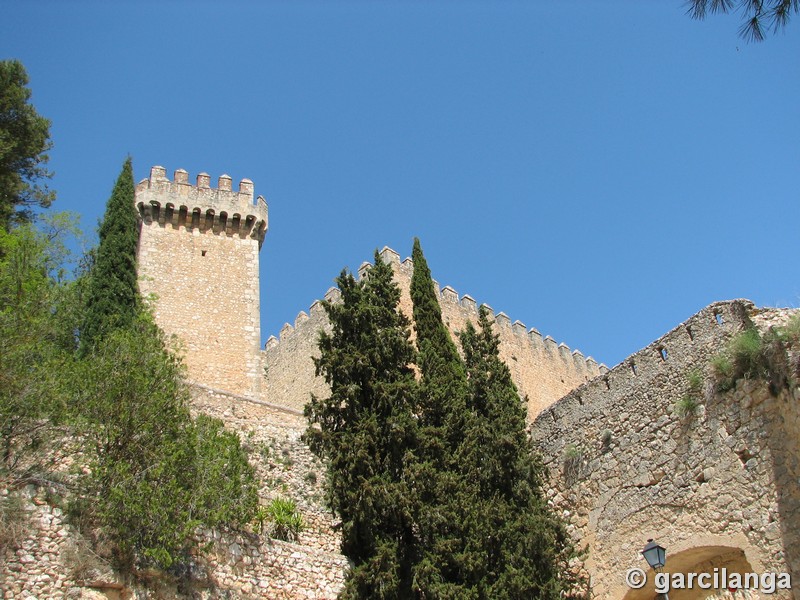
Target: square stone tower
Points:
(198, 263)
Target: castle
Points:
(719, 487)
(198, 257)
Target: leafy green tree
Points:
(130, 395)
(758, 16)
(223, 481)
(24, 142)
(366, 431)
(156, 475)
(30, 300)
(113, 296)
(515, 545)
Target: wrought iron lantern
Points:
(655, 554)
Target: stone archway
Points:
(701, 559)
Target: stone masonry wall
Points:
(542, 370)
(198, 262)
(309, 566)
(718, 487)
(53, 560)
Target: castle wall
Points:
(51, 559)
(719, 487)
(198, 264)
(542, 369)
(256, 566)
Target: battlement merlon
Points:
(182, 204)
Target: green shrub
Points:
(750, 355)
(741, 359)
(286, 523)
(695, 380)
(723, 369)
(746, 350)
(686, 406)
(572, 463)
(156, 473)
(693, 398)
(790, 333)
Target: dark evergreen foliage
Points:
(113, 296)
(441, 488)
(443, 377)
(367, 432)
(516, 545)
(758, 16)
(24, 142)
(436, 482)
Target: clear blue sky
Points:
(600, 170)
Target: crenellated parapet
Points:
(449, 298)
(198, 206)
(542, 369)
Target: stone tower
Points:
(198, 262)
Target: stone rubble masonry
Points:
(39, 567)
(542, 370)
(198, 265)
(721, 485)
(55, 561)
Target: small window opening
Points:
(608, 385)
(718, 317)
(203, 252)
(663, 353)
(691, 335)
(633, 367)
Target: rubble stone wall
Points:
(722, 480)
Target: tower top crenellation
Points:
(183, 204)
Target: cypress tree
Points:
(485, 528)
(366, 431)
(442, 490)
(443, 377)
(517, 546)
(113, 297)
